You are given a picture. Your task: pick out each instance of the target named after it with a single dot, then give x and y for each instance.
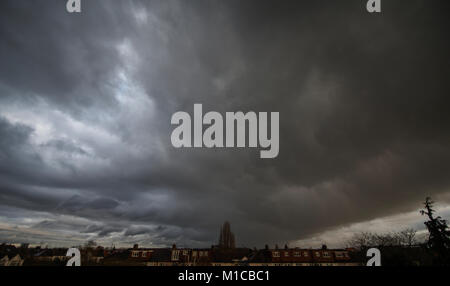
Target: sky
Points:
(86, 101)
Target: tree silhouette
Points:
(439, 235)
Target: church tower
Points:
(226, 239)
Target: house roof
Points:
(230, 255)
(161, 255)
(52, 252)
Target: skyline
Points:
(86, 101)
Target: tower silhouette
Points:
(226, 239)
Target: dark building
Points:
(226, 239)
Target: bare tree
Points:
(408, 237)
(367, 239)
(90, 244)
(360, 240)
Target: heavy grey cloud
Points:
(86, 101)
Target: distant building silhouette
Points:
(226, 239)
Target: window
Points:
(317, 254)
(286, 254)
(194, 253)
(326, 254)
(297, 254)
(135, 254)
(185, 252)
(175, 255)
(144, 253)
(305, 253)
(275, 254)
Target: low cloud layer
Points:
(86, 101)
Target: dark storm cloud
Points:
(86, 102)
(65, 146)
(137, 230)
(102, 230)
